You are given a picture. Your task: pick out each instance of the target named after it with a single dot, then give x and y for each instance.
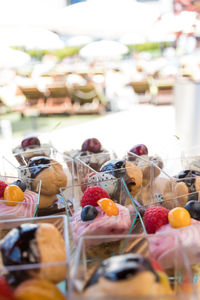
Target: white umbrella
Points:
(133, 39)
(103, 50)
(30, 37)
(79, 40)
(103, 18)
(10, 58)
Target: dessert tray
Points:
(86, 224)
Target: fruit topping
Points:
(92, 195)
(5, 290)
(114, 167)
(122, 267)
(194, 209)
(179, 217)
(139, 150)
(37, 164)
(21, 184)
(155, 217)
(108, 206)
(30, 142)
(92, 145)
(88, 213)
(3, 185)
(13, 195)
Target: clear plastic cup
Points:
(56, 172)
(31, 272)
(86, 262)
(27, 208)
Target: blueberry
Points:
(194, 209)
(21, 184)
(89, 213)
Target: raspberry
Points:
(155, 217)
(3, 185)
(92, 195)
(5, 290)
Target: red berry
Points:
(92, 195)
(140, 149)
(5, 290)
(30, 142)
(3, 185)
(155, 217)
(92, 145)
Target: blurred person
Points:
(117, 91)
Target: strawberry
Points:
(92, 195)
(155, 217)
(3, 185)
(5, 290)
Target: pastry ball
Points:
(35, 244)
(134, 177)
(128, 275)
(35, 289)
(52, 176)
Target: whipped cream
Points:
(24, 209)
(101, 225)
(164, 247)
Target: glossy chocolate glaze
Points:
(189, 178)
(121, 267)
(114, 167)
(19, 246)
(37, 164)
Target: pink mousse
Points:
(24, 209)
(101, 225)
(164, 245)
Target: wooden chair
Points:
(83, 93)
(57, 106)
(32, 92)
(140, 87)
(58, 90)
(165, 92)
(35, 100)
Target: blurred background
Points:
(124, 71)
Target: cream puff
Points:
(35, 244)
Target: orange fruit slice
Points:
(108, 206)
(13, 195)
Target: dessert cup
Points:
(27, 277)
(179, 277)
(188, 234)
(54, 172)
(25, 209)
(186, 185)
(134, 176)
(123, 223)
